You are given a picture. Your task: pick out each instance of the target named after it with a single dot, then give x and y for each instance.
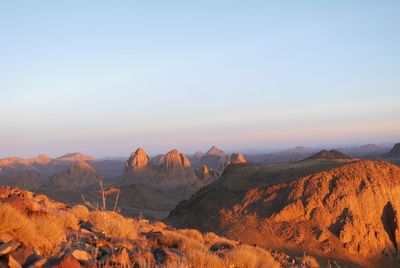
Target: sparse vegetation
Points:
(113, 224)
(111, 240)
(81, 212)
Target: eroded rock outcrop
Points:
(176, 160)
(138, 160)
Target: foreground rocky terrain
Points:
(38, 232)
(348, 212)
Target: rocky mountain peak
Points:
(237, 158)
(137, 160)
(215, 151)
(174, 159)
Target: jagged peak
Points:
(214, 150)
(137, 160)
(174, 159)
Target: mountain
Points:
(76, 157)
(138, 160)
(176, 160)
(330, 155)
(216, 159)
(171, 173)
(367, 150)
(349, 211)
(214, 150)
(40, 159)
(394, 152)
(80, 175)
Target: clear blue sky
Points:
(104, 77)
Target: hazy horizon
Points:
(104, 78)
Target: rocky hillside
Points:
(349, 211)
(38, 232)
(80, 175)
(395, 151)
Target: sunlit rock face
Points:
(137, 161)
(176, 160)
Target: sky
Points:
(104, 77)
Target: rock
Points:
(22, 254)
(137, 161)
(176, 160)
(36, 262)
(7, 248)
(12, 263)
(162, 255)
(81, 255)
(236, 158)
(67, 262)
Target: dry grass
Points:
(49, 231)
(183, 242)
(204, 259)
(44, 232)
(211, 238)
(250, 257)
(113, 225)
(81, 212)
(15, 223)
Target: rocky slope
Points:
(80, 175)
(349, 211)
(395, 151)
(38, 232)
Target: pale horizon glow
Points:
(104, 78)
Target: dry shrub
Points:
(250, 257)
(81, 212)
(113, 225)
(181, 241)
(211, 238)
(311, 262)
(43, 231)
(157, 226)
(66, 219)
(16, 224)
(50, 232)
(42, 198)
(193, 234)
(204, 259)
